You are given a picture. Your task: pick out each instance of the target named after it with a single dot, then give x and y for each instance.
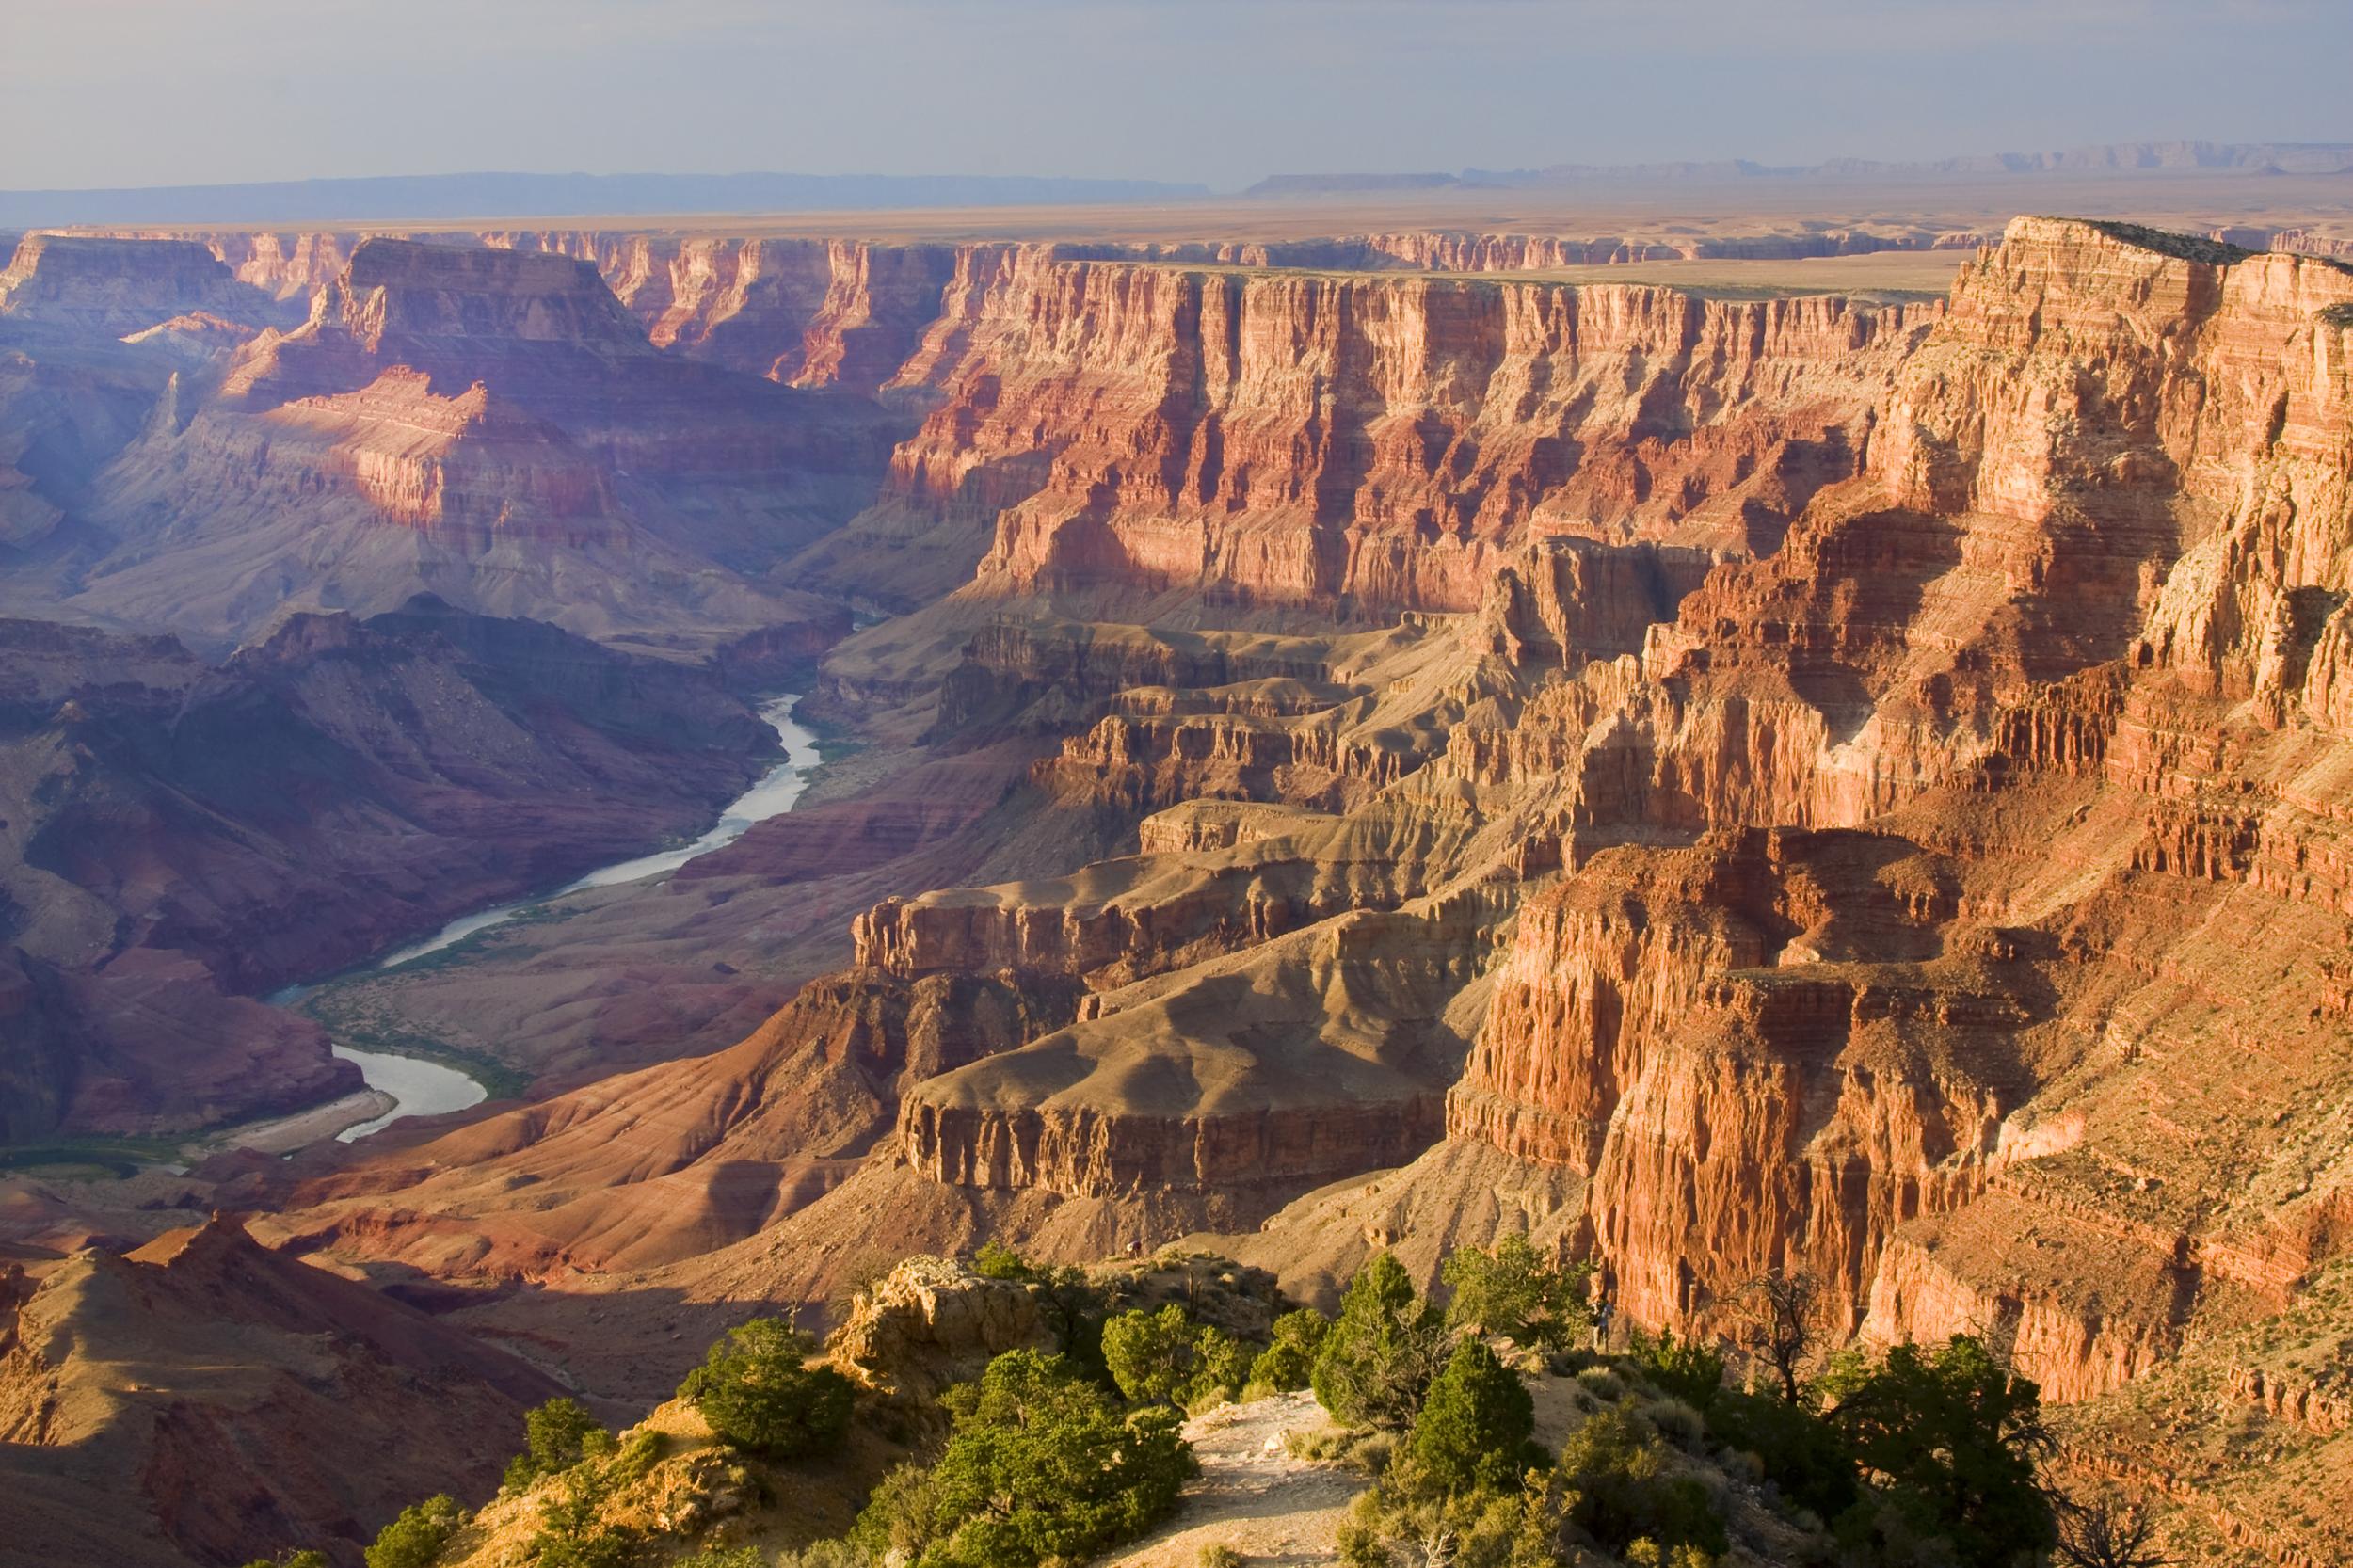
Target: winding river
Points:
(423, 1088)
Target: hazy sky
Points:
(122, 92)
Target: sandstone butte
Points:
(1719, 785)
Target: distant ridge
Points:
(2253, 157)
(425, 198)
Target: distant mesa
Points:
(510, 196)
(111, 287)
(2260, 157)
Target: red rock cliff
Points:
(1334, 441)
(2067, 652)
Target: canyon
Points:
(187, 837)
(1343, 744)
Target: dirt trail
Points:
(1252, 1495)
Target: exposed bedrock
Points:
(1378, 442)
(674, 1161)
(1047, 677)
(2065, 655)
(111, 288)
(1253, 1076)
(1117, 920)
(493, 427)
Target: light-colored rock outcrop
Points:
(930, 1323)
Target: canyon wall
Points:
(2060, 659)
(490, 426)
(1374, 443)
(1840, 790)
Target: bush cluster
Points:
(758, 1391)
(1289, 1359)
(1379, 1357)
(1043, 1465)
(1925, 1459)
(556, 1436)
(1163, 1358)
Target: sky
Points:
(139, 92)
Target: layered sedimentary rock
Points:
(113, 287)
(1247, 1077)
(1873, 808)
(1373, 443)
(675, 1161)
(491, 427)
(2057, 656)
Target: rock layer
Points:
(1336, 442)
(2029, 655)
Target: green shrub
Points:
(1602, 1384)
(572, 1532)
(1512, 1290)
(556, 1436)
(1624, 1492)
(758, 1391)
(307, 1556)
(995, 1261)
(1952, 1436)
(1332, 1445)
(1217, 1553)
(1163, 1358)
(897, 1521)
(1042, 1464)
(727, 1557)
(416, 1538)
(1221, 1369)
(1474, 1427)
(1454, 1490)
(1803, 1453)
(1675, 1421)
(1074, 1309)
(1521, 1524)
(1380, 1356)
(1289, 1359)
(1150, 1355)
(1684, 1369)
(1647, 1553)
(1359, 1545)
(1372, 1451)
(639, 1456)
(819, 1554)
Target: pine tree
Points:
(1381, 1355)
(1474, 1428)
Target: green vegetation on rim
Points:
(92, 1159)
(1923, 1459)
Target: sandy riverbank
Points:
(284, 1134)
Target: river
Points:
(424, 1088)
